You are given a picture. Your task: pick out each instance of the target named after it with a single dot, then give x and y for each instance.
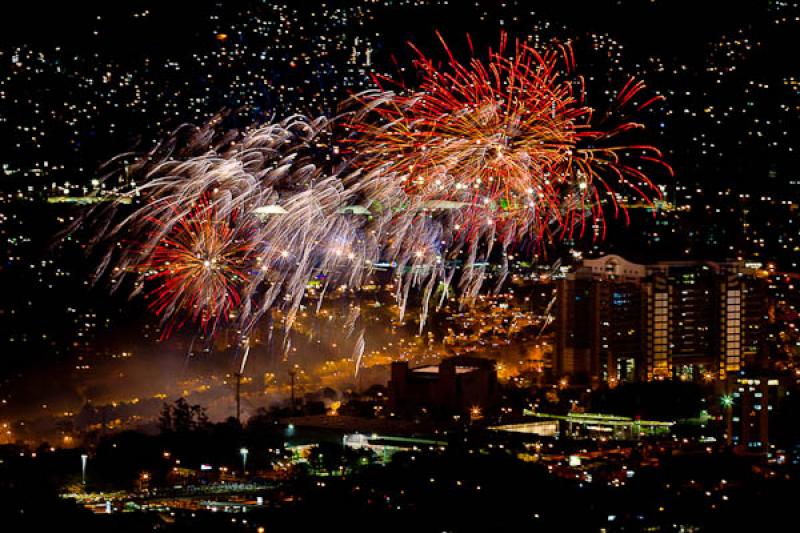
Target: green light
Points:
(726, 400)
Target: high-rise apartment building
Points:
(622, 321)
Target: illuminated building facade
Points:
(599, 321)
(754, 397)
(619, 321)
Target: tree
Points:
(199, 417)
(182, 416)
(165, 419)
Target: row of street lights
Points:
(244, 452)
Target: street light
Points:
(475, 412)
(84, 458)
(244, 452)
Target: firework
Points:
(508, 142)
(197, 269)
(228, 223)
(437, 181)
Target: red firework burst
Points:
(197, 268)
(509, 140)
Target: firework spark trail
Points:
(358, 353)
(196, 269)
(352, 317)
(492, 152)
(244, 184)
(490, 135)
(245, 357)
(437, 181)
(314, 237)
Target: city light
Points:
(439, 265)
